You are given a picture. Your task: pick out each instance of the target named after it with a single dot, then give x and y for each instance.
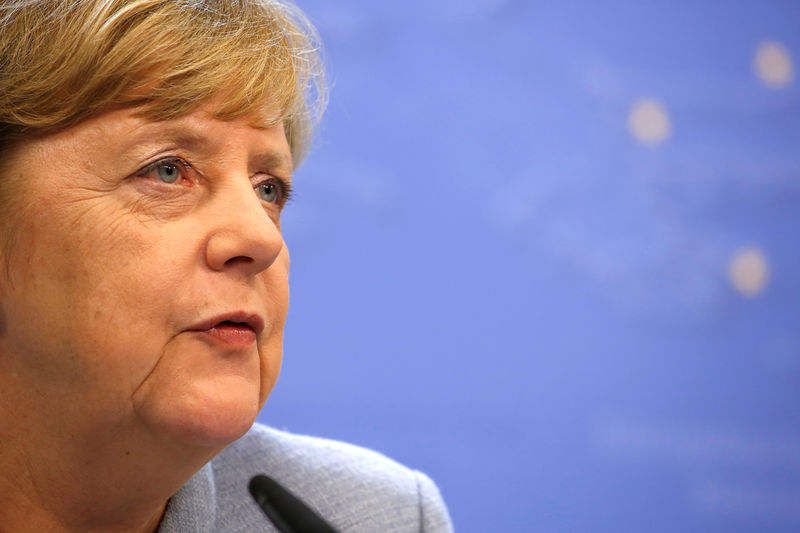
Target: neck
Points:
(29, 517)
(101, 478)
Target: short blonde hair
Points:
(62, 61)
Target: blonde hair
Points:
(62, 61)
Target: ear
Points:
(7, 242)
(10, 232)
(5, 248)
(5, 281)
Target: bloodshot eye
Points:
(168, 170)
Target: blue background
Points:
(495, 281)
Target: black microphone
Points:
(284, 509)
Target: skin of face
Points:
(133, 233)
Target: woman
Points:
(148, 147)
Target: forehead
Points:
(203, 132)
(125, 134)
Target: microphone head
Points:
(286, 511)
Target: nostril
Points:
(239, 259)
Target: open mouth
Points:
(229, 324)
(235, 331)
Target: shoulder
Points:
(354, 488)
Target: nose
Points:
(246, 240)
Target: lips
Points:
(240, 318)
(236, 330)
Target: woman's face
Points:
(148, 283)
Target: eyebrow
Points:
(188, 136)
(273, 159)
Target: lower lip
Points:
(237, 337)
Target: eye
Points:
(168, 173)
(168, 170)
(272, 191)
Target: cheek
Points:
(130, 303)
(90, 288)
(271, 354)
(274, 287)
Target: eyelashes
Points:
(176, 171)
(167, 170)
(274, 190)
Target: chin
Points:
(215, 429)
(211, 420)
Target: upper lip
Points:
(251, 320)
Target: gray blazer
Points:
(355, 489)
